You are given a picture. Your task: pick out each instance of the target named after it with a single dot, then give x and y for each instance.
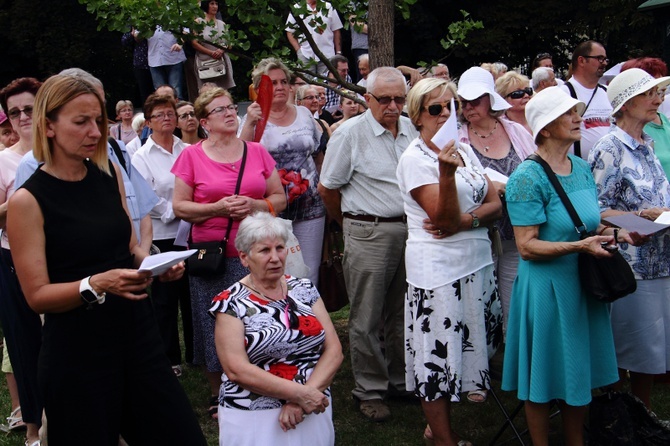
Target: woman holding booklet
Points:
(630, 179)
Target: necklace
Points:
(221, 150)
(253, 288)
(495, 127)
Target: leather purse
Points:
(332, 288)
(606, 279)
(210, 260)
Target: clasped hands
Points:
(293, 412)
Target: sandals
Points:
(213, 409)
(478, 396)
(428, 438)
(15, 420)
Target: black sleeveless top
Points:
(86, 228)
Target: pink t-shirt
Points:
(212, 181)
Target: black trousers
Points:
(23, 337)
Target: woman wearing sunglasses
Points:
(501, 145)
(277, 345)
(515, 88)
(453, 320)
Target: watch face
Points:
(89, 296)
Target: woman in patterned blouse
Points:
(277, 345)
(630, 180)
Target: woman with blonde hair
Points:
(515, 88)
(292, 138)
(123, 131)
(453, 320)
(102, 362)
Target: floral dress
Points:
(283, 338)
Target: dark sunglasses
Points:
(474, 102)
(436, 109)
(14, 113)
(518, 94)
(386, 100)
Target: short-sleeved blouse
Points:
(293, 147)
(629, 177)
(212, 181)
(431, 262)
(283, 338)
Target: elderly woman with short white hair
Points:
(277, 345)
(631, 180)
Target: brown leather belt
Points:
(372, 218)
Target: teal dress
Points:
(559, 339)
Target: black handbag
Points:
(210, 260)
(332, 288)
(606, 279)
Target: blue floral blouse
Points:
(629, 177)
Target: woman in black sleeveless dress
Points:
(102, 368)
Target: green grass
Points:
(475, 422)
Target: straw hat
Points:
(477, 82)
(630, 83)
(547, 105)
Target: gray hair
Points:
(385, 74)
(363, 57)
(261, 226)
(83, 75)
(540, 74)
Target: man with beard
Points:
(589, 61)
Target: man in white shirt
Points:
(324, 26)
(589, 62)
(360, 190)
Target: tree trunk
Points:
(380, 20)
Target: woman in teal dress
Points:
(559, 340)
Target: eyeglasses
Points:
(187, 115)
(161, 116)
(660, 92)
(600, 59)
(14, 113)
(518, 94)
(386, 100)
(309, 98)
(543, 56)
(436, 109)
(473, 103)
(321, 95)
(222, 109)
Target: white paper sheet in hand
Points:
(448, 131)
(633, 223)
(159, 263)
(663, 219)
(494, 175)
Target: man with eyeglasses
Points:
(360, 191)
(589, 62)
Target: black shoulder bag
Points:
(607, 278)
(210, 260)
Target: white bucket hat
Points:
(630, 83)
(547, 105)
(476, 82)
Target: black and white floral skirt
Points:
(450, 334)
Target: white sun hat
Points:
(547, 105)
(476, 82)
(630, 83)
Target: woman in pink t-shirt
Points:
(204, 194)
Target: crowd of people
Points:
(452, 250)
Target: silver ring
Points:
(453, 155)
(439, 232)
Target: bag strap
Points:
(578, 145)
(580, 227)
(117, 151)
(237, 191)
